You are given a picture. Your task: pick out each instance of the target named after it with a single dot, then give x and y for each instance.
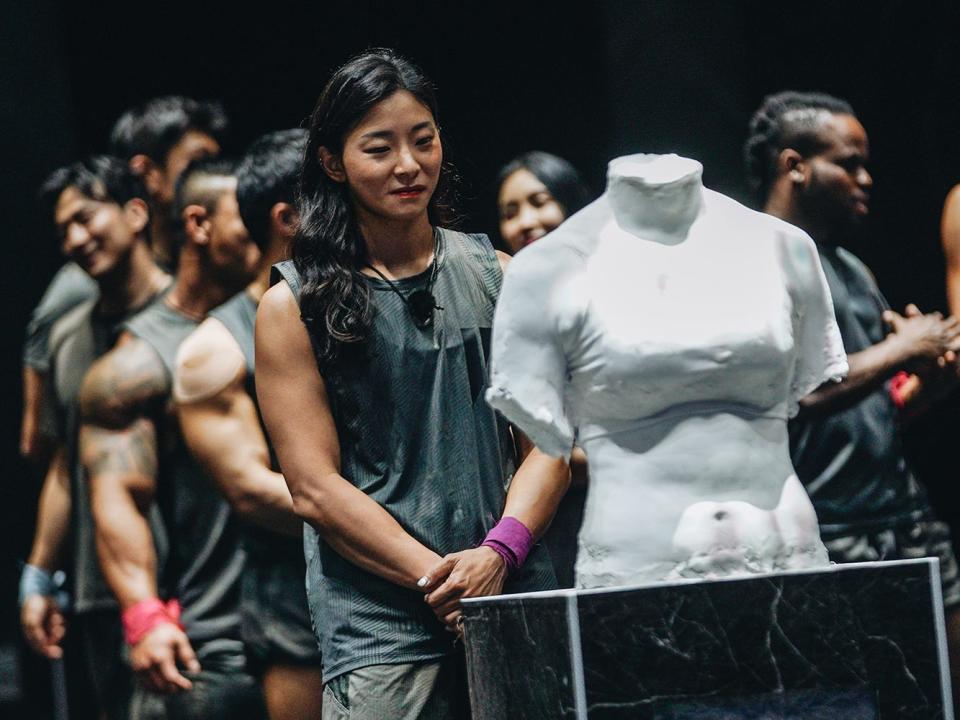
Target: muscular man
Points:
(101, 215)
(221, 424)
(807, 157)
(131, 446)
(159, 138)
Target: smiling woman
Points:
(391, 453)
(536, 192)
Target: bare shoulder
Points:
(121, 384)
(278, 322)
(504, 259)
(208, 361)
(278, 304)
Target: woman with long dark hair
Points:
(371, 362)
(536, 192)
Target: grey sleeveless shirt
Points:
(416, 435)
(205, 558)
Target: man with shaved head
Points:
(185, 646)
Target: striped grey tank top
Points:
(417, 436)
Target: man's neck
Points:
(398, 248)
(195, 293)
(789, 211)
(277, 251)
(135, 283)
(161, 240)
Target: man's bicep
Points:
(125, 457)
(224, 432)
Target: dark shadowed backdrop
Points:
(587, 81)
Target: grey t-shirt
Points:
(417, 436)
(68, 288)
(852, 463)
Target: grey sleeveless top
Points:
(239, 315)
(205, 558)
(416, 435)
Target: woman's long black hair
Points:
(329, 251)
(557, 175)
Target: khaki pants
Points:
(431, 690)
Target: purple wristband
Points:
(511, 540)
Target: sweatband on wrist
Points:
(140, 619)
(37, 581)
(510, 539)
(896, 389)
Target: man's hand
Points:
(43, 625)
(154, 659)
(925, 340)
(469, 573)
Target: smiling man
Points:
(99, 208)
(807, 158)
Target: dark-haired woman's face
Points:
(527, 210)
(391, 159)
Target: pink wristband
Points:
(510, 539)
(140, 619)
(896, 389)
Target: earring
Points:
(796, 176)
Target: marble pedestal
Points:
(849, 642)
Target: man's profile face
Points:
(838, 184)
(98, 235)
(192, 146)
(232, 253)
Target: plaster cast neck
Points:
(655, 197)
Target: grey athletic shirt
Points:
(68, 288)
(205, 562)
(416, 435)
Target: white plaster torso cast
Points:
(672, 332)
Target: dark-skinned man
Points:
(807, 158)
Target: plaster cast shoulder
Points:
(209, 360)
(536, 319)
(820, 356)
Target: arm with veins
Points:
(118, 447)
(222, 428)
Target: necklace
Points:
(420, 303)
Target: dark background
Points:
(587, 81)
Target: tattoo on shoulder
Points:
(123, 384)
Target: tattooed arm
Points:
(121, 398)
